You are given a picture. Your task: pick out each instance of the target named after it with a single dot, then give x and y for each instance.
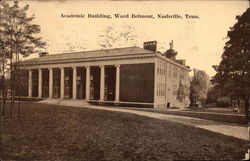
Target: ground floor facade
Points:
(108, 83)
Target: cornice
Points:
(172, 62)
(85, 60)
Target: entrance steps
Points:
(65, 102)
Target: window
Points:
(182, 73)
(170, 70)
(181, 76)
(175, 90)
(157, 89)
(159, 66)
(163, 91)
(160, 90)
(175, 72)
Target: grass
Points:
(208, 114)
(50, 132)
(215, 109)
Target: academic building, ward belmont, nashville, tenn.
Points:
(121, 76)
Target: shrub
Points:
(223, 102)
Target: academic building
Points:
(131, 76)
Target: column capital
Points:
(117, 65)
(74, 67)
(101, 66)
(61, 68)
(87, 66)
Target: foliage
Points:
(212, 95)
(232, 77)
(199, 86)
(181, 93)
(115, 36)
(17, 32)
(223, 102)
(18, 37)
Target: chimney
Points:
(43, 54)
(150, 45)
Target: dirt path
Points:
(219, 127)
(238, 131)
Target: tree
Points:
(199, 86)
(18, 39)
(180, 93)
(3, 71)
(232, 74)
(212, 95)
(115, 36)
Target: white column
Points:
(30, 83)
(74, 83)
(87, 82)
(117, 82)
(155, 82)
(39, 82)
(62, 83)
(102, 82)
(50, 83)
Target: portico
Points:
(78, 82)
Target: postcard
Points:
(124, 80)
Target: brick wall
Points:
(137, 83)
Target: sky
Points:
(200, 41)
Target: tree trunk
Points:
(3, 85)
(247, 100)
(19, 86)
(11, 83)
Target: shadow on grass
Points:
(50, 132)
(235, 119)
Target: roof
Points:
(92, 54)
(96, 54)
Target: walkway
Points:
(235, 130)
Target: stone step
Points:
(65, 102)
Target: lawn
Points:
(204, 113)
(50, 132)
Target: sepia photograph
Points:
(124, 80)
